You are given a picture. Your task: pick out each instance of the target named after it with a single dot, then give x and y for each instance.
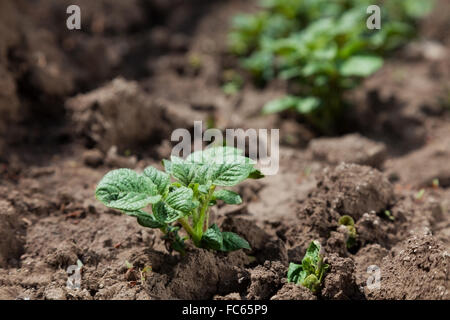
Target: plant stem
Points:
(195, 214)
(204, 212)
(189, 230)
(205, 227)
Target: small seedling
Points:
(310, 273)
(128, 264)
(350, 224)
(419, 195)
(144, 271)
(186, 202)
(435, 183)
(130, 273)
(389, 215)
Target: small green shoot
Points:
(352, 235)
(184, 203)
(389, 215)
(128, 265)
(144, 272)
(312, 270)
(419, 195)
(435, 183)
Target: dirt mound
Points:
(201, 274)
(352, 148)
(265, 244)
(373, 228)
(369, 255)
(418, 268)
(103, 116)
(11, 231)
(348, 189)
(266, 280)
(410, 169)
(340, 281)
(292, 291)
(354, 190)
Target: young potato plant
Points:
(186, 201)
(348, 222)
(310, 273)
(322, 48)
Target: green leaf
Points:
(216, 154)
(418, 8)
(294, 272)
(146, 220)
(183, 171)
(212, 238)
(313, 252)
(167, 166)
(177, 204)
(232, 242)
(301, 105)
(159, 178)
(346, 220)
(176, 242)
(124, 189)
(312, 269)
(228, 196)
(307, 105)
(201, 173)
(280, 104)
(361, 66)
(311, 282)
(389, 215)
(314, 68)
(221, 166)
(255, 174)
(291, 73)
(229, 174)
(203, 188)
(327, 53)
(308, 264)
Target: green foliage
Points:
(350, 224)
(389, 215)
(126, 190)
(312, 269)
(322, 46)
(187, 200)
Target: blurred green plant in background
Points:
(323, 47)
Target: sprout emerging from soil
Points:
(310, 273)
(350, 224)
(389, 215)
(184, 203)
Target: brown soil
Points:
(74, 104)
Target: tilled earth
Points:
(74, 105)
